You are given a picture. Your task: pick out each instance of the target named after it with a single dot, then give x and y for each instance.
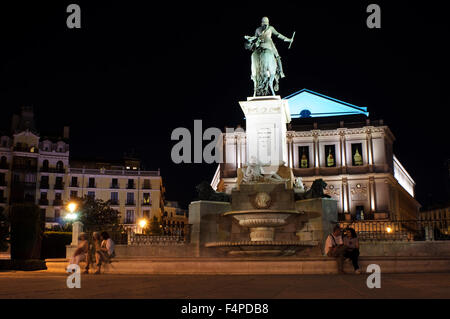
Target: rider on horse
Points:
(263, 37)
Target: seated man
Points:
(334, 247)
(81, 253)
(108, 245)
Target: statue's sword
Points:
(292, 40)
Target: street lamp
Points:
(72, 207)
(143, 223)
(389, 229)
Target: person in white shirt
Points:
(105, 252)
(334, 247)
(108, 244)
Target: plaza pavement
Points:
(42, 284)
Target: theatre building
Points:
(336, 141)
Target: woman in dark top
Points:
(352, 244)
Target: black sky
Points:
(136, 71)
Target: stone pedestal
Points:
(321, 216)
(266, 118)
(77, 228)
(208, 225)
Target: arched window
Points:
(59, 166)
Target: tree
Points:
(96, 212)
(154, 228)
(26, 231)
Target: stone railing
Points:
(137, 239)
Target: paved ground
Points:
(46, 285)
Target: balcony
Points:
(24, 167)
(59, 186)
(43, 202)
(114, 186)
(114, 202)
(130, 203)
(57, 202)
(52, 170)
(26, 149)
(146, 186)
(44, 185)
(146, 203)
(74, 185)
(25, 185)
(90, 185)
(130, 186)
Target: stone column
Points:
(369, 150)
(345, 195)
(77, 228)
(316, 152)
(292, 153)
(372, 203)
(343, 152)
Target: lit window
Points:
(357, 159)
(330, 156)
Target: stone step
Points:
(263, 266)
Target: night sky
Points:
(134, 72)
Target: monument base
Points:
(319, 219)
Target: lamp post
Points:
(77, 227)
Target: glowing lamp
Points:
(72, 207)
(142, 223)
(389, 229)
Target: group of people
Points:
(342, 244)
(98, 252)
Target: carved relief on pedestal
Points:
(258, 109)
(262, 200)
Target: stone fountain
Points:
(263, 200)
(263, 208)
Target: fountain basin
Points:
(262, 222)
(261, 248)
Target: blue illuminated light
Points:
(306, 103)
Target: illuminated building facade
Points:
(35, 169)
(336, 141)
(174, 219)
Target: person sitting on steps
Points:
(352, 244)
(334, 247)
